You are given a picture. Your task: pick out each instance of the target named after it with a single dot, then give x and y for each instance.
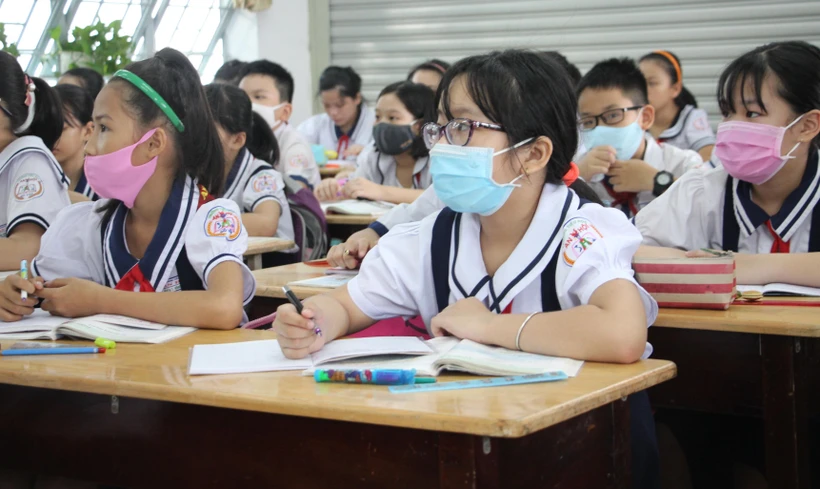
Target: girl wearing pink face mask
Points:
(764, 202)
(154, 158)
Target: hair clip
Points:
(30, 87)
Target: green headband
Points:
(153, 95)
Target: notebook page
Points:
(40, 320)
(90, 329)
(781, 289)
(248, 356)
(325, 282)
(361, 347)
(469, 356)
(357, 207)
(118, 320)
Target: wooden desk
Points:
(345, 219)
(167, 430)
(329, 172)
(761, 361)
(258, 246)
(269, 281)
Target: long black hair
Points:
(685, 97)
(795, 65)
(529, 95)
(90, 79)
(420, 101)
(345, 79)
(78, 106)
(48, 113)
(434, 64)
(232, 110)
(198, 149)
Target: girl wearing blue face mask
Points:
(517, 259)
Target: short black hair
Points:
(77, 104)
(437, 65)
(344, 78)
(281, 77)
(420, 101)
(232, 110)
(620, 73)
(230, 72)
(91, 80)
(572, 70)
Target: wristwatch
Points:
(663, 180)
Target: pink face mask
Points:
(750, 151)
(113, 176)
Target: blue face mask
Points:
(463, 178)
(625, 140)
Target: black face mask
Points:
(392, 139)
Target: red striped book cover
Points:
(690, 283)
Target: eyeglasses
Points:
(458, 132)
(609, 117)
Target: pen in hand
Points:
(24, 275)
(298, 305)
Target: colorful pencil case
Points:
(689, 283)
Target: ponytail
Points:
(672, 65)
(260, 140)
(31, 105)
(48, 114)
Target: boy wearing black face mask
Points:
(395, 168)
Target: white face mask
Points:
(268, 113)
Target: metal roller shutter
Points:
(383, 39)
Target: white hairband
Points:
(29, 117)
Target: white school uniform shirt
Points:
(663, 157)
(252, 182)
(76, 245)
(691, 130)
(425, 204)
(295, 156)
(35, 188)
(320, 129)
(689, 215)
(380, 168)
(596, 246)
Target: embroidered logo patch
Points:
(700, 124)
(28, 187)
(222, 222)
(579, 234)
(298, 162)
(263, 182)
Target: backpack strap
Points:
(731, 229)
(440, 255)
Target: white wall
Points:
(279, 34)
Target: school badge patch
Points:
(222, 222)
(298, 162)
(263, 182)
(28, 187)
(579, 234)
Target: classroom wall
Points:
(279, 34)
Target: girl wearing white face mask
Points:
(765, 201)
(270, 88)
(518, 259)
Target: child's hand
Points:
(72, 297)
(297, 332)
(351, 253)
(596, 161)
(632, 176)
(353, 150)
(364, 188)
(328, 189)
(466, 319)
(12, 307)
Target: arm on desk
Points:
(789, 268)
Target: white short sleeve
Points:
(310, 129)
(36, 194)
(264, 185)
(72, 245)
(216, 235)
(698, 131)
(427, 203)
(597, 247)
(390, 278)
(298, 162)
(368, 166)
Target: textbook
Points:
(43, 326)
(357, 207)
(690, 283)
(783, 290)
(467, 356)
(267, 356)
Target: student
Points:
(270, 88)
(395, 169)
(70, 148)
(678, 121)
(763, 202)
(522, 242)
(429, 73)
(250, 180)
(625, 164)
(85, 78)
(346, 126)
(152, 157)
(34, 186)
(572, 70)
(231, 72)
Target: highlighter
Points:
(377, 377)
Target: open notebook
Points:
(43, 326)
(771, 290)
(325, 282)
(466, 356)
(357, 207)
(267, 356)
